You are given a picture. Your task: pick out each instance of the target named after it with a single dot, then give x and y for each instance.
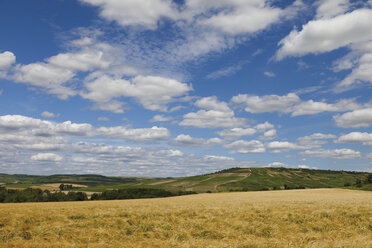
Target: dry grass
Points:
(295, 218)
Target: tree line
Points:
(136, 193)
(38, 195)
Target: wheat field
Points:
(292, 218)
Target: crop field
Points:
(292, 218)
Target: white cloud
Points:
(46, 157)
(302, 166)
(228, 16)
(160, 118)
(269, 135)
(243, 17)
(85, 60)
(76, 129)
(282, 146)
(6, 60)
(47, 114)
(336, 153)
(355, 119)
(103, 118)
(131, 12)
(268, 103)
(104, 89)
(355, 137)
(218, 158)
(315, 140)
(217, 114)
(276, 164)
(200, 26)
(212, 103)
(237, 132)
(187, 140)
(245, 147)
(291, 103)
(310, 107)
(331, 8)
(360, 61)
(46, 76)
(19, 141)
(14, 122)
(264, 126)
(139, 134)
(315, 37)
(37, 127)
(269, 74)
(224, 72)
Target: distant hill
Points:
(234, 179)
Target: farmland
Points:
(235, 179)
(291, 218)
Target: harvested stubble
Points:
(293, 218)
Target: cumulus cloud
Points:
(105, 89)
(103, 118)
(268, 103)
(47, 114)
(276, 164)
(187, 140)
(360, 61)
(269, 135)
(244, 17)
(355, 137)
(47, 76)
(37, 127)
(46, 157)
(336, 153)
(355, 119)
(315, 37)
(139, 134)
(144, 13)
(291, 103)
(160, 118)
(6, 60)
(302, 166)
(17, 148)
(218, 158)
(282, 146)
(16, 122)
(310, 107)
(269, 74)
(237, 132)
(245, 147)
(213, 115)
(264, 126)
(84, 60)
(200, 27)
(350, 29)
(315, 140)
(331, 8)
(230, 17)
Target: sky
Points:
(184, 87)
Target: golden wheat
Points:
(295, 218)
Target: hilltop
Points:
(234, 179)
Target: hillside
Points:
(234, 179)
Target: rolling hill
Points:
(234, 179)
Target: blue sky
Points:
(176, 88)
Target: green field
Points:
(235, 179)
